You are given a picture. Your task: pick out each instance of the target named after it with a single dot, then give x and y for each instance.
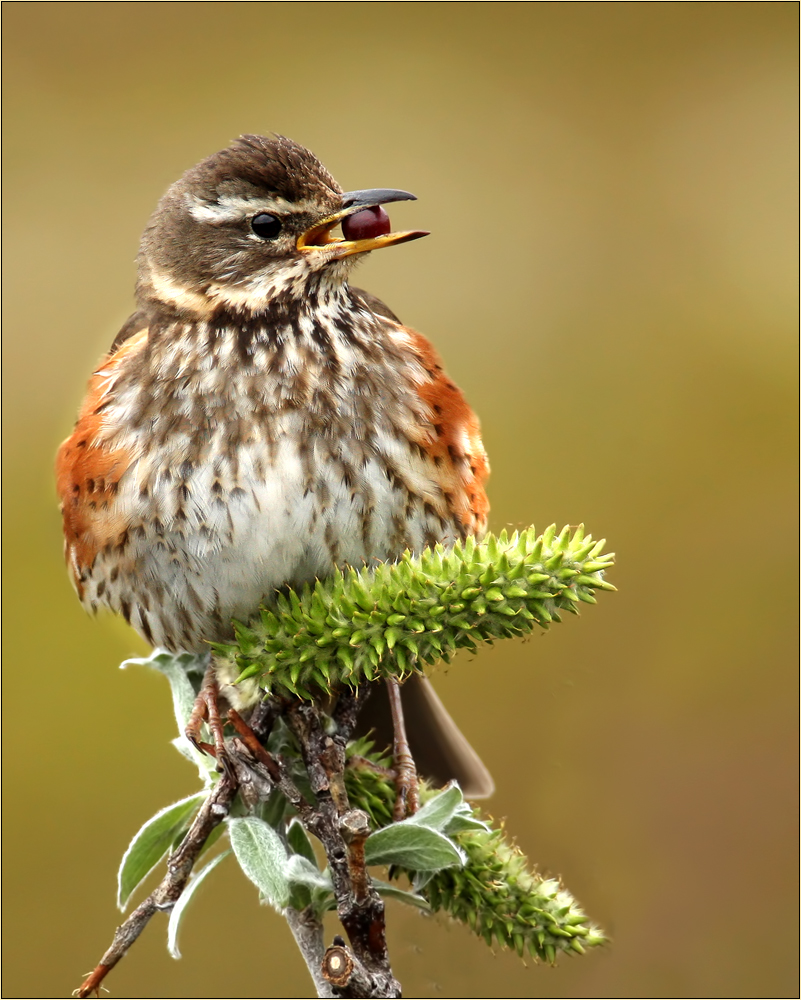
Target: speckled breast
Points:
(208, 469)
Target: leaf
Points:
(440, 809)
(262, 857)
(151, 843)
(299, 871)
(411, 846)
(462, 822)
(300, 897)
(206, 765)
(183, 900)
(299, 842)
(389, 891)
(421, 880)
(183, 694)
(309, 886)
(272, 811)
(175, 668)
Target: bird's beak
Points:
(319, 239)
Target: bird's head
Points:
(257, 220)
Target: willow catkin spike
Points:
(497, 894)
(439, 600)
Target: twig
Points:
(166, 894)
(259, 758)
(343, 970)
(342, 832)
(307, 929)
(355, 829)
(348, 707)
(251, 769)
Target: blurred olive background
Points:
(611, 278)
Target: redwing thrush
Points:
(259, 421)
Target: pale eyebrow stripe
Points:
(229, 208)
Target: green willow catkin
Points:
(496, 893)
(393, 619)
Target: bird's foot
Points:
(357, 760)
(407, 800)
(407, 794)
(207, 709)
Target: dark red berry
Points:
(365, 225)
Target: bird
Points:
(259, 421)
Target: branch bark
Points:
(342, 832)
(166, 894)
(307, 930)
(363, 969)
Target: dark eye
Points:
(265, 226)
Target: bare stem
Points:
(361, 970)
(166, 894)
(342, 832)
(307, 930)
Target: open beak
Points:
(319, 239)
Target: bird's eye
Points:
(265, 226)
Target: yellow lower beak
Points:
(318, 239)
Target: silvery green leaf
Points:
(151, 843)
(175, 668)
(440, 809)
(185, 749)
(183, 693)
(273, 810)
(156, 657)
(389, 891)
(300, 897)
(462, 823)
(183, 900)
(262, 857)
(411, 846)
(300, 871)
(299, 842)
(206, 764)
(421, 880)
(323, 901)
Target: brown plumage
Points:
(258, 421)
